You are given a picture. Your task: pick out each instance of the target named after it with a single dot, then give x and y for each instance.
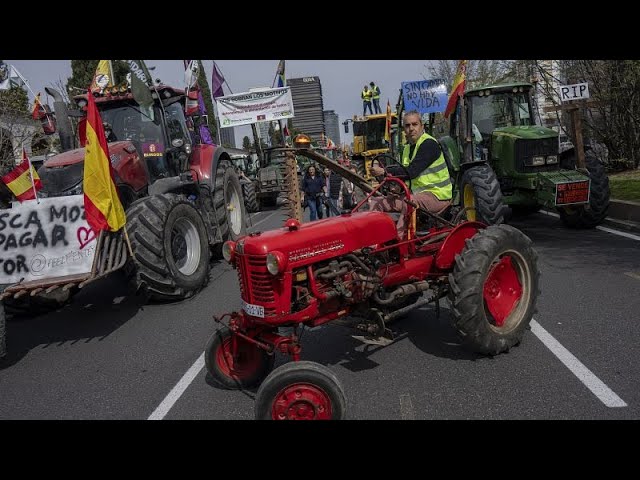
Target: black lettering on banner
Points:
(11, 242)
(33, 218)
(565, 93)
(54, 214)
(9, 266)
(59, 233)
(20, 259)
(25, 239)
(2, 238)
(74, 213)
(40, 238)
(13, 220)
(3, 224)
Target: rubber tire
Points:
(226, 181)
(249, 196)
(490, 208)
(222, 379)
(466, 289)
(300, 372)
(149, 224)
(599, 194)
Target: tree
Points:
(82, 72)
(203, 83)
(246, 143)
(479, 72)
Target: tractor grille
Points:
(256, 283)
(525, 149)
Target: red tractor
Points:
(182, 197)
(355, 265)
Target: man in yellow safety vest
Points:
(366, 95)
(424, 161)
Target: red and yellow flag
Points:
(457, 90)
(387, 126)
(101, 201)
(23, 179)
(38, 110)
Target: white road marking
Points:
(604, 229)
(632, 275)
(265, 218)
(593, 383)
(406, 407)
(177, 391)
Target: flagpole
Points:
(33, 183)
(25, 82)
(111, 75)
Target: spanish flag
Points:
(23, 179)
(458, 88)
(38, 110)
(387, 125)
(101, 201)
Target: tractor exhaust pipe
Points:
(402, 291)
(65, 132)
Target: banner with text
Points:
(251, 107)
(45, 240)
(425, 96)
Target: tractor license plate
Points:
(253, 310)
(572, 192)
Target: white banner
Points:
(45, 240)
(251, 107)
(578, 91)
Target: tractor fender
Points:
(455, 242)
(206, 159)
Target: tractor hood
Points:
(526, 132)
(306, 243)
(77, 156)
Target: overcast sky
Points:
(342, 80)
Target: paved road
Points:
(101, 358)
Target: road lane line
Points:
(604, 229)
(265, 218)
(632, 275)
(593, 383)
(406, 407)
(177, 391)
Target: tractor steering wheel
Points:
(385, 159)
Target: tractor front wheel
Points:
(246, 369)
(170, 247)
(301, 391)
(494, 288)
(228, 202)
(480, 195)
(578, 216)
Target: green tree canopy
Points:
(246, 143)
(14, 100)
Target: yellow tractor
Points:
(368, 140)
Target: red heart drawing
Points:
(85, 236)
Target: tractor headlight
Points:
(276, 262)
(552, 159)
(228, 250)
(535, 161)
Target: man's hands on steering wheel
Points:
(379, 170)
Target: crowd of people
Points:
(326, 193)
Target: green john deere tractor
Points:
(526, 159)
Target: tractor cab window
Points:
(500, 110)
(375, 134)
(176, 123)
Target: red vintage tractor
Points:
(356, 266)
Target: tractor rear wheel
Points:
(250, 366)
(577, 216)
(170, 247)
(228, 202)
(494, 288)
(249, 195)
(480, 194)
(301, 391)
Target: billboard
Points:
(252, 107)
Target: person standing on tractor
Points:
(366, 95)
(424, 161)
(375, 93)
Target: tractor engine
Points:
(311, 272)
